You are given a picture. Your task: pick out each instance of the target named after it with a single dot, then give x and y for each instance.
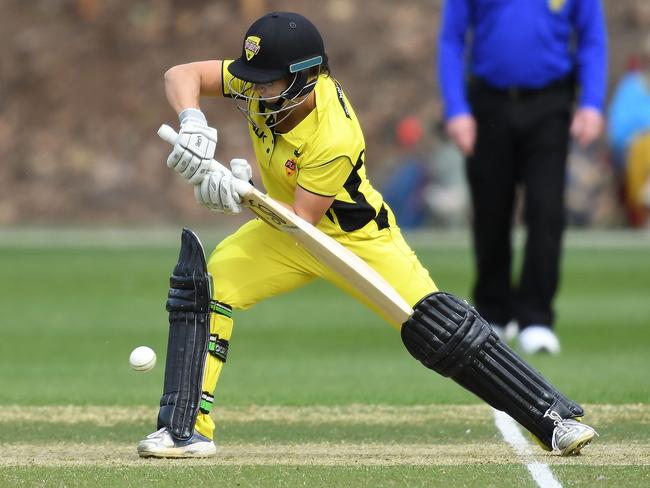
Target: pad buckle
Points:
(218, 347)
(207, 402)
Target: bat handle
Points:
(167, 134)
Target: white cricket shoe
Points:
(569, 435)
(162, 444)
(506, 333)
(538, 338)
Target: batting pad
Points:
(449, 336)
(188, 305)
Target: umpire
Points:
(509, 71)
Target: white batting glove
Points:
(194, 149)
(242, 171)
(218, 192)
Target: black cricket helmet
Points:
(276, 46)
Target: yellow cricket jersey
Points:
(324, 154)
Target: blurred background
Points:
(81, 97)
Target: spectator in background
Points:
(447, 195)
(404, 188)
(629, 137)
(511, 117)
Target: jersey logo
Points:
(556, 5)
(339, 94)
(290, 167)
(252, 46)
(259, 132)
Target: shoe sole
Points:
(176, 456)
(176, 453)
(574, 448)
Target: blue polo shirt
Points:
(524, 44)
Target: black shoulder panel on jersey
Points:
(355, 215)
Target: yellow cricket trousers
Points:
(258, 262)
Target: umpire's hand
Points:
(462, 130)
(587, 125)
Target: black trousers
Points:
(522, 141)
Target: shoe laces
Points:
(560, 424)
(158, 433)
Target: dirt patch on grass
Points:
(632, 412)
(348, 414)
(321, 454)
(58, 454)
(360, 414)
(74, 414)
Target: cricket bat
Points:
(344, 262)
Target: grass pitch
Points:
(317, 391)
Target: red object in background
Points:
(634, 63)
(409, 131)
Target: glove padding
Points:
(194, 149)
(217, 190)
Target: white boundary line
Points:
(540, 472)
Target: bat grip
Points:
(167, 134)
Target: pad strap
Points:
(221, 308)
(207, 402)
(218, 347)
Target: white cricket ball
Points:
(142, 358)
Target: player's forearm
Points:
(182, 87)
(310, 206)
(313, 217)
(302, 215)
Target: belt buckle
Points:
(514, 93)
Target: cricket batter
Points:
(310, 151)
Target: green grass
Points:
(71, 316)
(279, 476)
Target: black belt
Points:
(523, 93)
